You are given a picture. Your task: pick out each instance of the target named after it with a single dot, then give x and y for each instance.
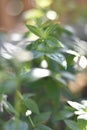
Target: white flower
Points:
(81, 109)
(28, 112)
(83, 116)
(84, 102)
(79, 112)
(76, 105)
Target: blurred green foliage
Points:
(35, 86)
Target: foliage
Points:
(31, 92)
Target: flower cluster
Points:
(81, 109)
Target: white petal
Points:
(83, 116)
(79, 112)
(84, 102)
(76, 105)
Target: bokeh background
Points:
(68, 11)
(72, 14)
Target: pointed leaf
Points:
(41, 118)
(59, 58)
(63, 115)
(49, 29)
(42, 127)
(52, 40)
(11, 125)
(9, 108)
(71, 124)
(35, 30)
(31, 105)
(37, 54)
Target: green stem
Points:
(33, 125)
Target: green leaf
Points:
(31, 105)
(49, 45)
(49, 29)
(52, 90)
(59, 58)
(8, 85)
(53, 41)
(11, 125)
(34, 48)
(82, 124)
(42, 127)
(37, 54)
(71, 124)
(63, 115)
(28, 95)
(67, 75)
(35, 30)
(41, 118)
(33, 45)
(9, 108)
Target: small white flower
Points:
(82, 116)
(84, 102)
(28, 112)
(76, 105)
(79, 112)
(81, 109)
